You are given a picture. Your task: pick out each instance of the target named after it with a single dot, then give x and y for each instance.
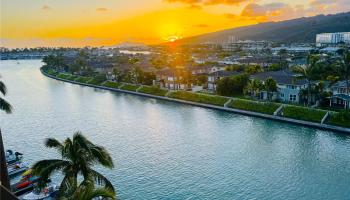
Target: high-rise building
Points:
(326, 39)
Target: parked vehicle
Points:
(13, 157)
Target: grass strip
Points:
(200, 98)
(303, 113)
(153, 90)
(255, 106)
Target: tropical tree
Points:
(308, 73)
(270, 86)
(78, 157)
(253, 87)
(4, 105)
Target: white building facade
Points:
(332, 38)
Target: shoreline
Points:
(232, 110)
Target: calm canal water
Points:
(165, 150)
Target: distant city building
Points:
(325, 39)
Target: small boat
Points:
(13, 157)
(16, 169)
(49, 192)
(25, 184)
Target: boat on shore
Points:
(25, 184)
(12, 157)
(49, 192)
(16, 169)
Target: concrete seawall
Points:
(243, 112)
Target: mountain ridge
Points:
(299, 30)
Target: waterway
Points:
(168, 150)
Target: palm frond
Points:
(45, 168)
(101, 180)
(53, 143)
(102, 156)
(101, 192)
(68, 185)
(5, 106)
(3, 88)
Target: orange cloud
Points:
(46, 8)
(102, 9)
(208, 2)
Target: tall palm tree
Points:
(4, 106)
(78, 157)
(308, 73)
(270, 86)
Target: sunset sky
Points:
(30, 23)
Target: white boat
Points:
(17, 168)
(12, 157)
(49, 192)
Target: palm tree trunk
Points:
(5, 181)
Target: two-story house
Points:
(341, 96)
(213, 77)
(288, 85)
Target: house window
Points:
(282, 95)
(292, 97)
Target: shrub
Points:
(200, 98)
(153, 90)
(340, 119)
(130, 87)
(303, 113)
(255, 106)
(111, 84)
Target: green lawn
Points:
(255, 106)
(72, 77)
(130, 87)
(111, 84)
(200, 98)
(63, 76)
(82, 79)
(340, 119)
(304, 113)
(153, 90)
(98, 80)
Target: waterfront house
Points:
(173, 79)
(340, 97)
(213, 77)
(288, 86)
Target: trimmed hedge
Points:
(340, 119)
(112, 84)
(200, 98)
(255, 106)
(82, 79)
(153, 90)
(303, 113)
(51, 72)
(130, 87)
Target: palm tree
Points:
(78, 157)
(308, 73)
(270, 86)
(5, 106)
